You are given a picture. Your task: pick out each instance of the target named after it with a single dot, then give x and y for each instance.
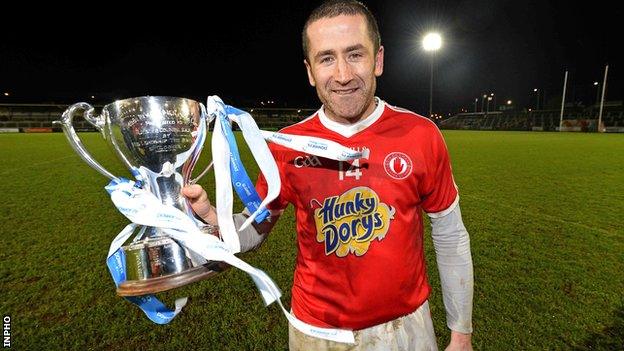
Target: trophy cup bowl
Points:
(159, 139)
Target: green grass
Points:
(545, 212)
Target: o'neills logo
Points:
(398, 165)
(350, 222)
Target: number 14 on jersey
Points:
(353, 169)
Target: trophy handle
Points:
(203, 173)
(206, 121)
(74, 140)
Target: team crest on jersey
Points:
(350, 222)
(397, 165)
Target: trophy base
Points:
(160, 284)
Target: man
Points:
(360, 262)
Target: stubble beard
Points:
(348, 108)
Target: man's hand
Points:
(251, 238)
(199, 202)
(459, 342)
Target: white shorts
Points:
(411, 332)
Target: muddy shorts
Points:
(411, 332)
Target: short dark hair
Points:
(333, 8)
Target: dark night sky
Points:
(248, 53)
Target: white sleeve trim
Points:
(445, 212)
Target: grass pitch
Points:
(545, 212)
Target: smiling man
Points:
(341, 65)
(360, 262)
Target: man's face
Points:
(342, 65)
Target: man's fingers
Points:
(199, 202)
(193, 192)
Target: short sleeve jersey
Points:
(360, 259)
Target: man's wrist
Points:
(461, 338)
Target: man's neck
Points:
(350, 121)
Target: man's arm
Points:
(250, 238)
(452, 246)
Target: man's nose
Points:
(344, 72)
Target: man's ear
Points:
(379, 59)
(309, 70)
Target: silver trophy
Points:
(158, 139)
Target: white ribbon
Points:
(142, 207)
(315, 146)
(255, 140)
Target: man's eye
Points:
(326, 59)
(355, 55)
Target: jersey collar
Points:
(348, 130)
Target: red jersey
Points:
(360, 259)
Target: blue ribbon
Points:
(155, 310)
(240, 180)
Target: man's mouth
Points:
(344, 91)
